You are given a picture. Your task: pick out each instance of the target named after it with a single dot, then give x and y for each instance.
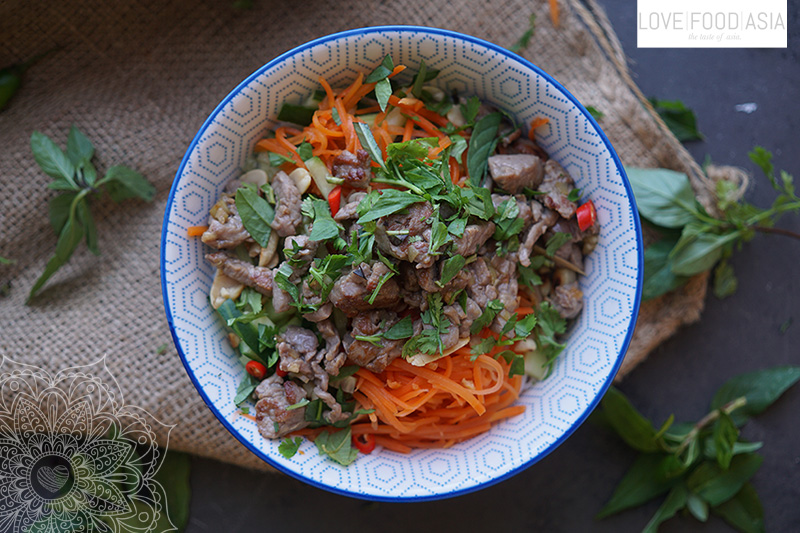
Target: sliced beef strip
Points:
(354, 169)
(515, 172)
(334, 355)
(414, 246)
(259, 278)
(274, 396)
(475, 235)
(366, 354)
(351, 291)
(558, 184)
(542, 219)
(572, 253)
(348, 211)
(495, 279)
(523, 145)
(462, 318)
(302, 250)
(287, 211)
(567, 299)
(297, 348)
(225, 229)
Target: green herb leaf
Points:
(716, 485)
(245, 389)
(173, 475)
(676, 500)
(289, 447)
(725, 436)
(383, 90)
(679, 119)
(481, 146)
(402, 330)
(80, 149)
(381, 71)
(761, 389)
(596, 113)
(725, 283)
(324, 227)
(419, 79)
(256, 214)
(122, 183)
(470, 110)
(525, 38)
(637, 431)
(555, 242)
(697, 253)
(698, 507)
(337, 446)
(644, 481)
(60, 209)
(68, 240)
(336, 118)
(487, 316)
(305, 151)
(86, 220)
(658, 275)
(368, 142)
(296, 114)
(450, 269)
(743, 511)
(663, 196)
(388, 202)
(51, 159)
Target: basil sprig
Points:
(74, 173)
(703, 467)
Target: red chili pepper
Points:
(587, 215)
(281, 373)
(256, 369)
(335, 199)
(365, 446)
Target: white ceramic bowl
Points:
(612, 286)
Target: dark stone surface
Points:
(742, 333)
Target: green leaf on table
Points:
(679, 119)
(658, 275)
(60, 207)
(738, 448)
(642, 482)
(52, 160)
(717, 485)
(79, 148)
(123, 183)
(761, 389)
(256, 214)
(695, 253)
(481, 145)
(698, 507)
(525, 38)
(743, 511)
(763, 159)
(725, 435)
(676, 500)
(664, 197)
(725, 282)
(596, 113)
(68, 240)
(636, 430)
(85, 219)
(173, 475)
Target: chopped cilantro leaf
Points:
(288, 448)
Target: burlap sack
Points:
(139, 79)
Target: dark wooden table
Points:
(565, 490)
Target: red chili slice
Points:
(364, 446)
(256, 369)
(587, 215)
(335, 199)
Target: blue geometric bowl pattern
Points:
(596, 342)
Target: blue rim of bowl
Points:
(508, 54)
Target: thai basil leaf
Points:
(725, 436)
(256, 214)
(324, 226)
(85, 218)
(697, 253)
(761, 389)
(450, 269)
(123, 182)
(289, 447)
(481, 146)
(68, 240)
(390, 201)
(245, 389)
(658, 275)
(337, 446)
(381, 71)
(676, 500)
(296, 114)
(743, 511)
(368, 142)
(402, 330)
(80, 149)
(51, 158)
(637, 431)
(716, 485)
(383, 90)
(59, 210)
(643, 482)
(663, 196)
(680, 120)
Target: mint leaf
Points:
(761, 389)
(245, 389)
(716, 485)
(676, 500)
(679, 119)
(256, 214)
(743, 511)
(80, 149)
(52, 159)
(381, 71)
(68, 240)
(643, 482)
(402, 330)
(658, 275)
(637, 431)
(122, 183)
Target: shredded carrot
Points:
(536, 123)
(196, 231)
(554, 13)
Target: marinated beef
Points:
(567, 299)
(273, 418)
(558, 184)
(515, 172)
(225, 229)
(412, 246)
(541, 218)
(475, 235)
(371, 356)
(348, 210)
(287, 211)
(354, 169)
(259, 278)
(351, 291)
